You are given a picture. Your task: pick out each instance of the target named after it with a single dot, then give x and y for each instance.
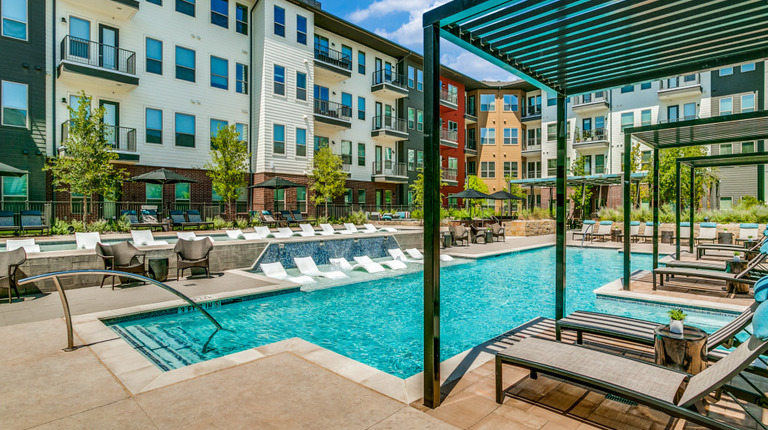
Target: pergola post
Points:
(692, 207)
(678, 210)
(562, 152)
(627, 206)
(431, 217)
(761, 174)
(655, 207)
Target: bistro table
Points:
(686, 352)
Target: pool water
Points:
(379, 322)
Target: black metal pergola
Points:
(568, 48)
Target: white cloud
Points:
(384, 7)
(475, 67)
(408, 34)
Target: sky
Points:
(400, 21)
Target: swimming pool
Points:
(379, 322)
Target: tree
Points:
(705, 178)
(228, 168)
(477, 184)
(85, 165)
(329, 179)
(417, 187)
(581, 195)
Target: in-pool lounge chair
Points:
(277, 271)
(33, 221)
(399, 255)
(587, 228)
(392, 264)
(145, 238)
(300, 218)
(369, 228)
(283, 233)
(747, 233)
(328, 230)
(342, 264)
(661, 272)
(178, 220)
(133, 219)
(307, 230)
(263, 231)
(9, 265)
(190, 235)
(87, 240)
(603, 230)
(372, 228)
(7, 223)
(351, 228)
(194, 216)
(707, 232)
(307, 266)
(238, 234)
(365, 263)
(28, 245)
(417, 255)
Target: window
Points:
(645, 160)
(361, 154)
(645, 86)
(411, 118)
(419, 159)
(301, 86)
(185, 130)
(487, 102)
(187, 7)
(242, 132)
(673, 113)
(185, 64)
(301, 199)
(627, 89)
(361, 62)
(219, 73)
(346, 104)
(15, 104)
(487, 136)
(487, 169)
(645, 117)
(726, 106)
(346, 152)
(411, 159)
(321, 142)
(278, 139)
(726, 149)
(361, 196)
(157, 2)
(510, 136)
(747, 67)
(154, 56)
(726, 71)
(220, 13)
(241, 78)
(419, 80)
(279, 87)
(15, 19)
(361, 108)
(279, 21)
(216, 125)
(627, 120)
(747, 103)
(154, 126)
(551, 99)
(689, 111)
(471, 167)
(510, 103)
(510, 169)
(726, 203)
(551, 132)
(552, 167)
(154, 193)
(241, 19)
(599, 164)
(14, 188)
(747, 147)
(301, 142)
(419, 120)
(301, 29)
(279, 199)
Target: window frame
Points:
(720, 106)
(361, 112)
(490, 136)
(3, 18)
(149, 60)
(3, 106)
(741, 68)
(752, 144)
(276, 84)
(225, 77)
(514, 138)
(193, 4)
(742, 102)
(621, 120)
(490, 107)
(147, 128)
(419, 80)
(177, 133)
(210, 128)
(275, 127)
(301, 92)
(279, 27)
(361, 65)
(301, 131)
(627, 89)
(220, 15)
(361, 160)
(241, 25)
(300, 33)
(241, 81)
(650, 117)
(725, 71)
(419, 120)
(193, 69)
(516, 105)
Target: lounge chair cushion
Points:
(708, 225)
(761, 289)
(760, 322)
(588, 222)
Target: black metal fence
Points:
(97, 54)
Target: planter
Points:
(676, 326)
(726, 238)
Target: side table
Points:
(158, 269)
(738, 287)
(686, 352)
(488, 236)
(667, 237)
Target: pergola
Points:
(568, 48)
(576, 181)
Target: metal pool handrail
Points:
(65, 303)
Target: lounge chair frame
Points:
(14, 259)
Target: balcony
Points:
(531, 147)
(451, 176)
(680, 87)
(590, 102)
(470, 117)
(532, 113)
(117, 9)
(389, 172)
(122, 140)
(531, 174)
(388, 84)
(449, 138)
(389, 129)
(334, 115)
(591, 139)
(332, 64)
(82, 60)
(448, 99)
(470, 148)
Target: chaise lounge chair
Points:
(351, 229)
(133, 219)
(7, 223)
(87, 240)
(307, 230)
(190, 235)
(300, 218)
(276, 271)
(748, 232)
(392, 264)
(370, 227)
(707, 232)
(745, 247)
(397, 254)
(587, 228)
(28, 245)
(178, 220)
(269, 220)
(149, 218)
(283, 233)
(307, 266)
(685, 231)
(288, 218)
(328, 230)
(417, 255)
(370, 266)
(145, 238)
(238, 234)
(603, 231)
(33, 221)
(9, 265)
(194, 216)
(647, 232)
(729, 278)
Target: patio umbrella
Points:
(470, 193)
(505, 195)
(276, 183)
(6, 170)
(162, 177)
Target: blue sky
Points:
(400, 21)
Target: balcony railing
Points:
(599, 96)
(595, 135)
(448, 96)
(451, 174)
(333, 110)
(680, 82)
(471, 144)
(533, 144)
(532, 110)
(389, 168)
(313, 3)
(389, 123)
(333, 57)
(531, 174)
(678, 119)
(99, 55)
(388, 77)
(119, 138)
(451, 135)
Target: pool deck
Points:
(290, 384)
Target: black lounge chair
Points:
(7, 223)
(192, 253)
(133, 220)
(178, 220)
(288, 218)
(9, 265)
(729, 278)
(123, 257)
(150, 218)
(194, 216)
(33, 221)
(300, 218)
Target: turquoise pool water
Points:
(379, 322)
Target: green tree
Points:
(581, 199)
(228, 168)
(85, 164)
(475, 183)
(705, 178)
(329, 180)
(417, 188)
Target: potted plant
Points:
(676, 319)
(736, 256)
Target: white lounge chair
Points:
(307, 230)
(747, 232)
(707, 231)
(87, 240)
(263, 231)
(341, 263)
(145, 238)
(398, 254)
(276, 271)
(387, 229)
(328, 230)
(283, 233)
(392, 264)
(190, 235)
(369, 265)
(446, 257)
(27, 244)
(369, 228)
(307, 266)
(351, 228)
(417, 255)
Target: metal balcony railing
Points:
(389, 123)
(119, 138)
(451, 174)
(332, 57)
(471, 144)
(680, 82)
(591, 135)
(532, 110)
(99, 55)
(385, 76)
(448, 96)
(452, 135)
(333, 110)
(389, 168)
(533, 144)
(599, 96)
(532, 174)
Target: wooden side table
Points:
(738, 287)
(686, 352)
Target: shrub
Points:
(59, 226)
(322, 220)
(534, 213)
(100, 226)
(357, 218)
(417, 214)
(219, 223)
(747, 202)
(122, 225)
(459, 213)
(242, 223)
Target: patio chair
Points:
(307, 230)
(397, 254)
(150, 218)
(33, 221)
(283, 233)
(475, 234)
(297, 215)
(288, 218)
(133, 219)
(374, 216)
(277, 271)
(192, 253)
(744, 247)
(648, 232)
(460, 234)
(498, 231)
(587, 228)
(685, 231)
(28, 245)
(194, 216)
(87, 240)
(145, 238)
(392, 264)
(603, 231)
(307, 266)
(729, 278)
(707, 231)
(748, 232)
(178, 220)
(269, 220)
(123, 257)
(369, 265)
(190, 235)
(7, 223)
(9, 265)
(634, 232)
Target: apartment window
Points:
(301, 29)
(361, 196)
(411, 118)
(301, 142)
(551, 99)
(726, 106)
(219, 73)
(487, 136)
(419, 80)
(725, 71)
(361, 154)
(749, 67)
(187, 7)
(346, 104)
(185, 64)
(157, 2)
(154, 193)
(510, 103)
(185, 130)
(510, 136)
(419, 159)
(689, 111)
(747, 103)
(181, 192)
(627, 89)
(242, 132)
(301, 86)
(346, 56)
(411, 76)
(14, 20)
(346, 152)
(220, 13)
(552, 167)
(645, 117)
(411, 159)
(419, 120)
(278, 139)
(487, 102)
(154, 126)
(361, 62)
(599, 164)
(241, 78)
(321, 142)
(627, 120)
(14, 188)
(747, 147)
(15, 104)
(510, 169)
(278, 196)
(301, 198)
(279, 87)
(645, 160)
(726, 203)
(726, 149)
(471, 167)
(645, 86)
(361, 108)
(453, 126)
(154, 56)
(216, 125)
(241, 19)
(279, 21)
(487, 169)
(673, 113)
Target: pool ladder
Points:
(586, 232)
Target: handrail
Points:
(65, 303)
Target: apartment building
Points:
(23, 125)
(452, 135)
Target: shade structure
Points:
(470, 194)
(504, 195)
(6, 170)
(162, 177)
(276, 183)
